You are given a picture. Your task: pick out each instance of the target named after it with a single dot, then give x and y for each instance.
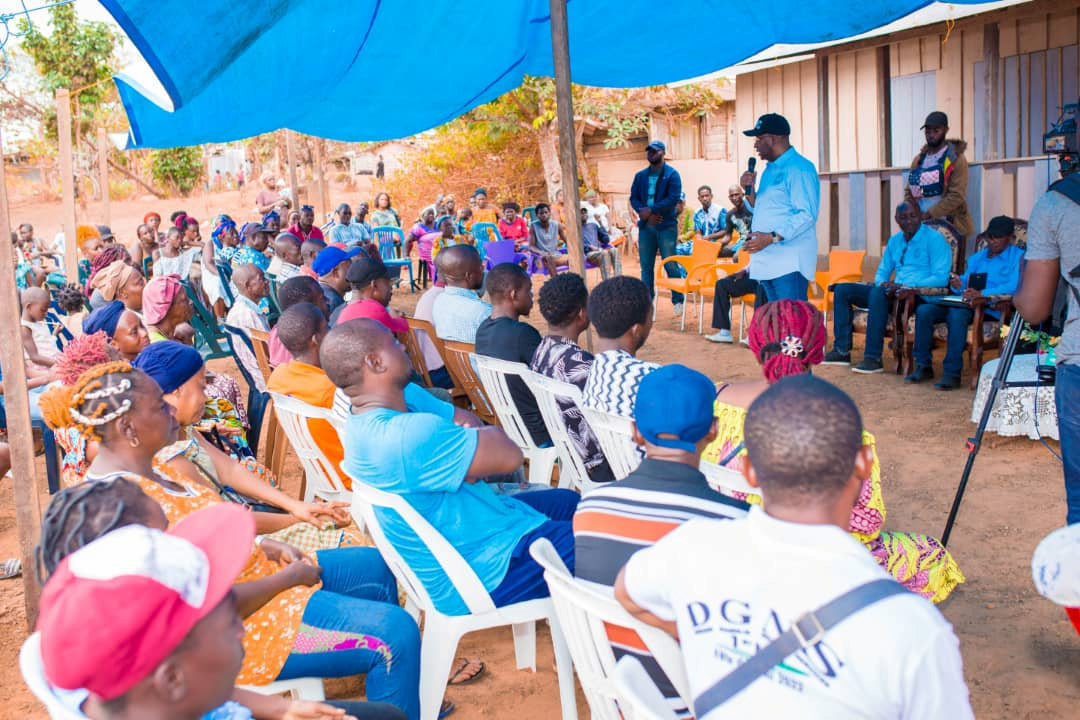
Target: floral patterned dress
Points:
(919, 562)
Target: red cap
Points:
(117, 607)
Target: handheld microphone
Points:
(750, 165)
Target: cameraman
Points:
(1053, 250)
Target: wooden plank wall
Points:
(790, 90)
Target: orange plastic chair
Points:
(844, 266)
(700, 260)
(708, 281)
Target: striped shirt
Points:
(613, 382)
(615, 521)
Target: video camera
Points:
(1061, 140)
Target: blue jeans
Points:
(848, 295)
(1067, 399)
(652, 239)
(524, 579)
(440, 377)
(792, 286)
(957, 319)
(354, 625)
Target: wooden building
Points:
(855, 109)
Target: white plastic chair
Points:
(443, 632)
(722, 478)
(493, 373)
(322, 477)
(582, 613)
(639, 698)
(548, 391)
(616, 437)
(299, 689)
(33, 673)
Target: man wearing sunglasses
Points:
(917, 256)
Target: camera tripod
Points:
(1000, 382)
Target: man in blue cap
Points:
(331, 266)
(653, 195)
(673, 419)
(783, 241)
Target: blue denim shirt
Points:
(923, 261)
(787, 204)
(1002, 271)
(668, 189)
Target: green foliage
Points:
(181, 168)
(77, 55)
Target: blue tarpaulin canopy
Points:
(378, 69)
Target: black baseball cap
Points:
(1001, 226)
(936, 119)
(769, 124)
(366, 270)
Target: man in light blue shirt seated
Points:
(434, 465)
(458, 310)
(783, 238)
(917, 256)
(994, 270)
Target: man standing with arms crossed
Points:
(653, 196)
(783, 241)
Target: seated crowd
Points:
(171, 545)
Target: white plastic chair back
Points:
(33, 673)
(639, 698)
(366, 499)
(616, 437)
(322, 477)
(493, 373)
(722, 478)
(548, 391)
(582, 612)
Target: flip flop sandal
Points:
(11, 568)
(464, 666)
(446, 709)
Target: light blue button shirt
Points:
(787, 204)
(458, 313)
(1002, 270)
(922, 261)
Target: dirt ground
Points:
(1021, 656)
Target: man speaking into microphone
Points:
(783, 241)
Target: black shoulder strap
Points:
(805, 632)
(1069, 186)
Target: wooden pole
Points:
(103, 174)
(564, 112)
(320, 177)
(67, 186)
(291, 159)
(17, 406)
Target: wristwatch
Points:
(776, 238)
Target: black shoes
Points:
(868, 366)
(949, 382)
(835, 357)
(921, 374)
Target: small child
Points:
(184, 333)
(39, 345)
(71, 300)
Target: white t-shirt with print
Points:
(733, 586)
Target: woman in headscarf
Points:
(118, 281)
(424, 226)
(224, 241)
(268, 196)
(272, 222)
(349, 625)
(106, 257)
(123, 327)
(788, 338)
(165, 307)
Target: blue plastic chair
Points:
(256, 401)
(391, 242)
(484, 233)
(500, 251)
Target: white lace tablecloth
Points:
(1014, 408)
